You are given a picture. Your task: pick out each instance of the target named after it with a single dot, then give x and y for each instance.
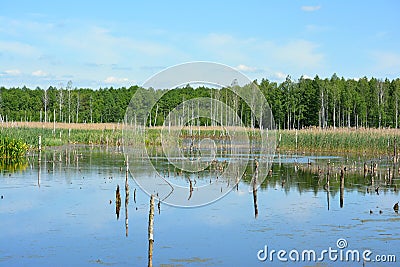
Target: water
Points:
(62, 215)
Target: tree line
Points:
(295, 104)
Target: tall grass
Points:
(313, 139)
(340, 140)
(12, 150)
(62, 136)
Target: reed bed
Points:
(340, 140)
(12, 150)
(352, 140)
(63, 136)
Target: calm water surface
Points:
(62, 212)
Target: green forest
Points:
(296, 104)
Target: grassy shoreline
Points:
(339, 140)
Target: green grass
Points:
(327, 140)
(340, 140)
(12, 150)
(76, 136)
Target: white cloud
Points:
(310, 8)
(14, 72)
(314, 28)
(386, 61)
(17, 48)
(39, 73)
(225, 47)
(215, 39)
(294, 55)
(245, 68)
(101, 46)
(115, 80)
(381, 34)
(299, 54)
(305, 76)
(280, 75)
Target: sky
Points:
(122, 43)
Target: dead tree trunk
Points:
(150, 232)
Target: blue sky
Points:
(121, 43)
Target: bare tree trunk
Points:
(326, 112)
(155, 117)
(91, 110)
(45, 104)
(54, 121)
(77, 108)
(380, 98)
(334, 115)
(60, 96)
(69, 87)
(322, 110)
(150, 232)
(348, 119)
(397, 111)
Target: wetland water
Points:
(61, 211)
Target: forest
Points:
(296, 104)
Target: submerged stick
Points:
(150, 232)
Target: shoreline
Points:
(382, 141)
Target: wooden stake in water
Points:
(40, 143)
(327, 188)
(150, 232)
(254, 184)
(54, 122)
(395, 152)
(126, 196)
(341, 187)
(126, 208)
(39, 168)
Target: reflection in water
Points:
(341, 187)
(126, 202)
(294, 195)
(117, 202)
(6, 165)
(190, 188)
(254, 184)
(327, 185)
(39, 167)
